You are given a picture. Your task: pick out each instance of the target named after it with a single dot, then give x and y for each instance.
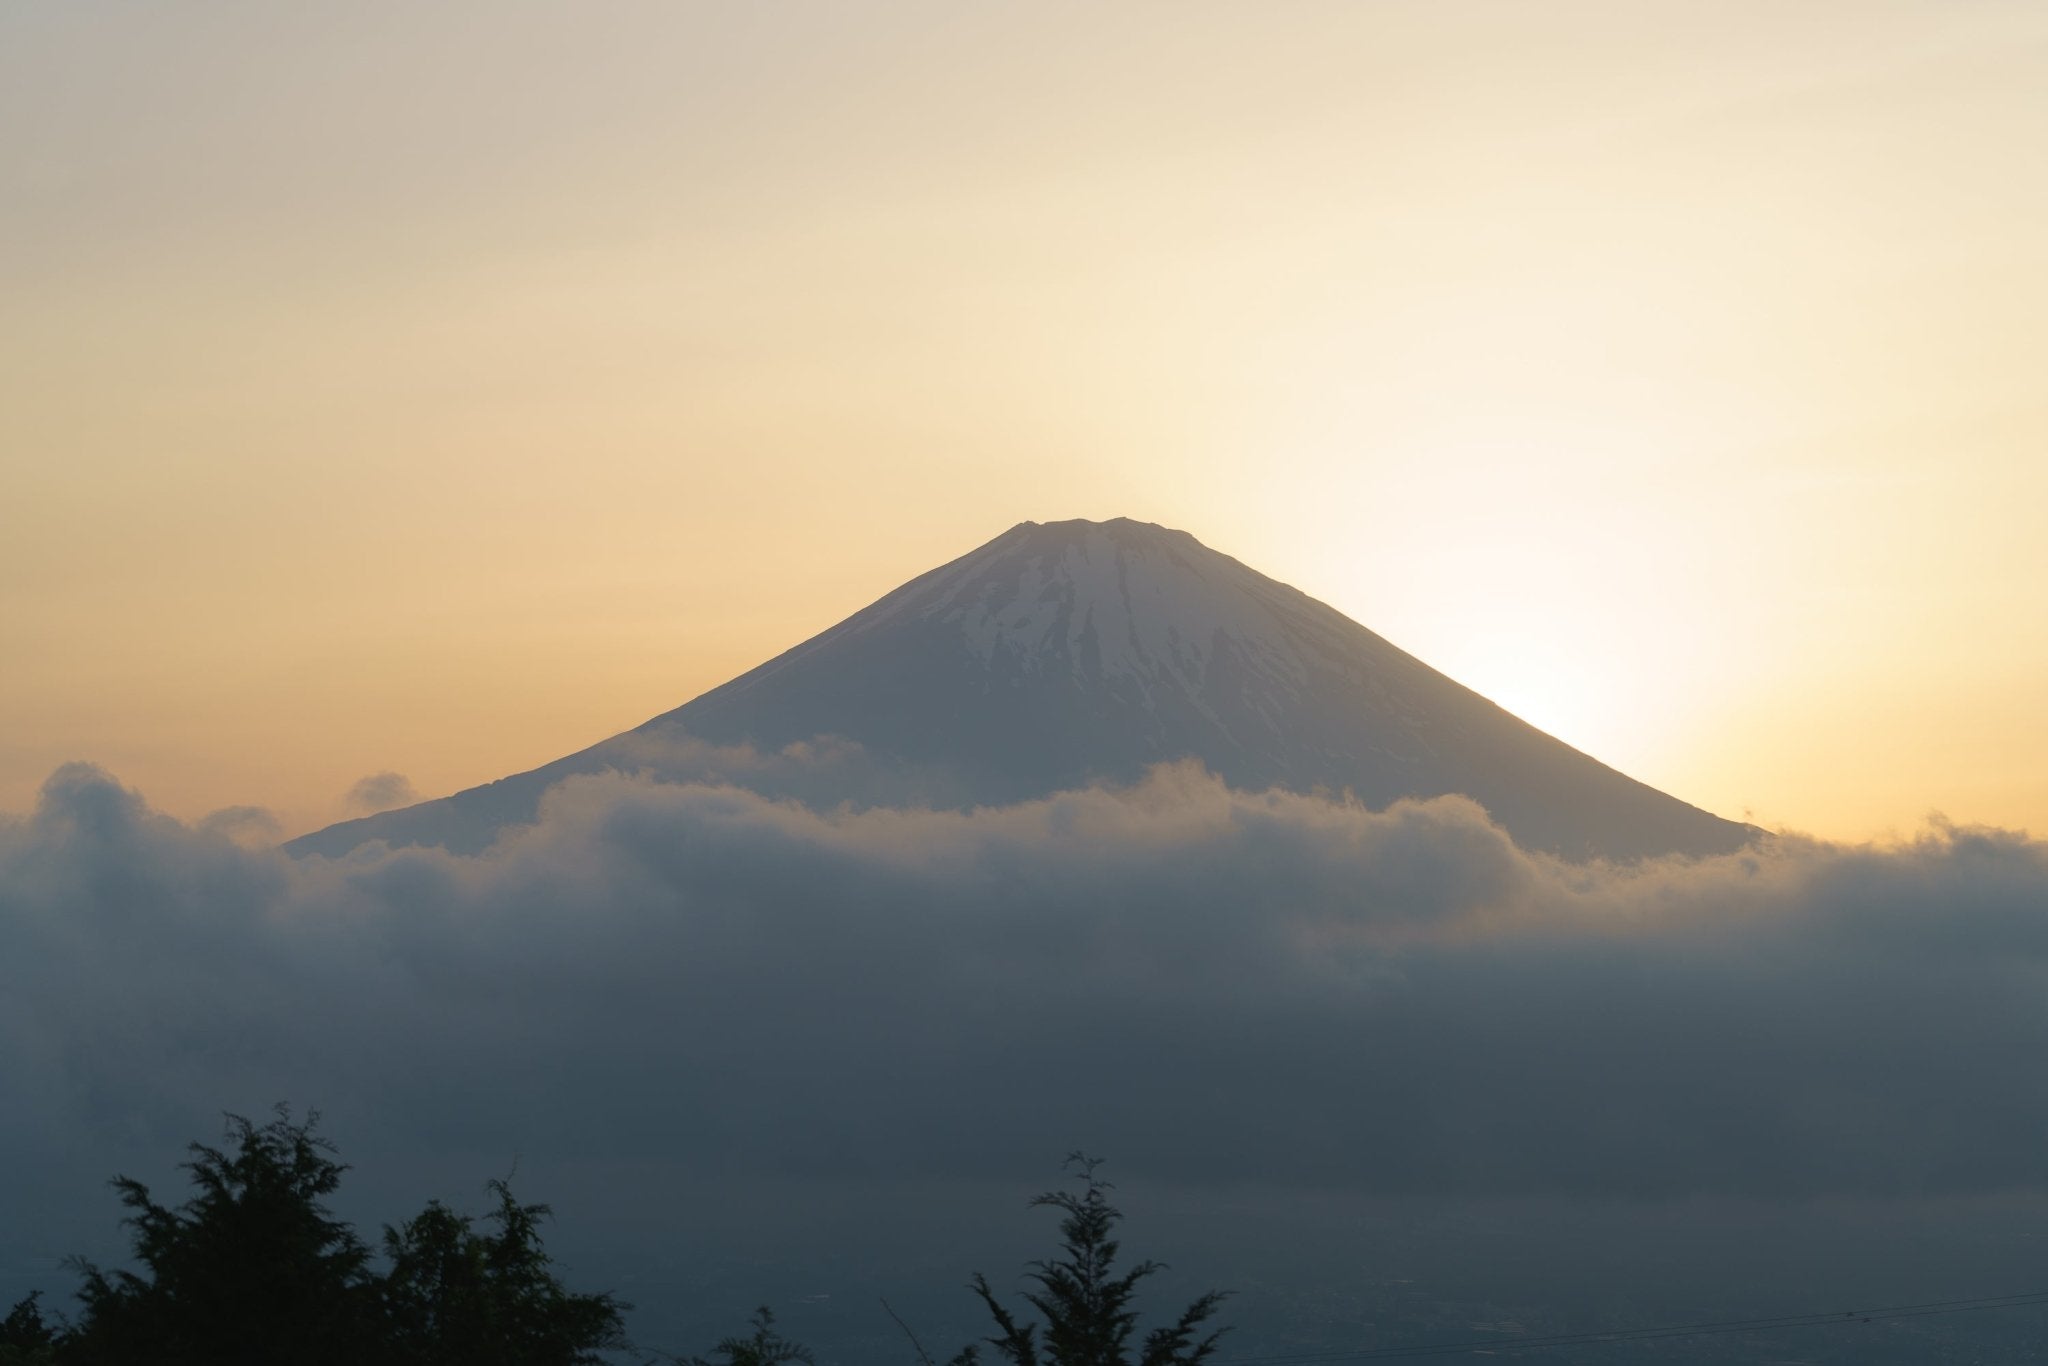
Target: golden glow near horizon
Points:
(443, 389)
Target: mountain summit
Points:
(1064, 653)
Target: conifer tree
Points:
(457, 1296)
(252, 1269)
(1085, 1304)
(25, 1339)
(763, 1347)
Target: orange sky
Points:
(441, 389)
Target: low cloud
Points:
(1212, 985)
(824, 771)
(380, 792)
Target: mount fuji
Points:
(1066, 653)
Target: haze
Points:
(422, 393)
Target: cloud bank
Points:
(1212, 985)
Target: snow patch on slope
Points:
(1122, 602)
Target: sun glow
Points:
(1672, 383)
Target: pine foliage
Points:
(459, 1296)
(254, 1270)
(25, 1339)
(1086, 1308)
(763, 1347)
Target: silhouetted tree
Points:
(455, 1296)
(1085, 1304)
(25, 1339)
(764, 1347)
(252, 1269)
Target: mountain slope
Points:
(1069, 652)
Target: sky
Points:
(396, 397)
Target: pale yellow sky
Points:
(442, 389)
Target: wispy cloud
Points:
(244, 824)
(381, 792)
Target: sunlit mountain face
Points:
(1064, 654)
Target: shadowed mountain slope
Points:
(1065, 653)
